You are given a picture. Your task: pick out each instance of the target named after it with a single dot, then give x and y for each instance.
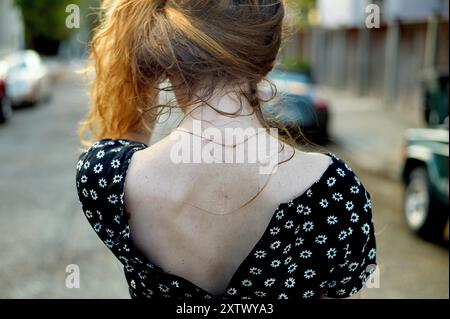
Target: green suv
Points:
(425, 175)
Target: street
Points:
(43, 229)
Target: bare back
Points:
(180, 212)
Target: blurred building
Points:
(11, 28)
(389, 61)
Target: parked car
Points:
(5, 102)
(298, 107)
(436, 99)
(27, 80)
(425, 176)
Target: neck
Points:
(227, 103)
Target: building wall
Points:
(414, 10)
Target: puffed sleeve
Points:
(100, 178)
(352, 257)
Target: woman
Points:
(212, 230)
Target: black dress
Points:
(319, 243)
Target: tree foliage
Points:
(44, 22)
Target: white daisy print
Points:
(287, 260)
(354, 218)
(97, 227)
(299, 241)
(354, 189)
(349, 231)
(292, 268)
(321, 239)
(269, 282)
(163, 288)
(274, 231)
(85, 193)
(260, 254)
(309, 193)
(280, 214)
(337, 197)
(323, 203)
(275, 245)
(276, 263)
(331, 253)
(109, 243)
(282, 296)
(309, 274)
(84, 179)
(286, 249)
(341, 172)
(308, 226)
(372, 253)
(255, 271)
(331, 220)
(102, 183)
(98, 168)
(117, 179)
(366, 229)
(231, 291)
(260, 294)
(246, 283)
(368, 206)
(340, 292)
(100, 154)
(113, 199)
(289, 283)
(308, 294)
(305, 254)
(289, 224)
(342, 235)
(115, 163)
(302, 209)
(86, 165)
(88, 213)
(79, 165)
(353, 266)
(349, 206)
(331, 181)
(94, 194)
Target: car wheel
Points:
(423, 213)
(5, 110)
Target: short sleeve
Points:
(352, 257)
(100, 178)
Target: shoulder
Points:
(102, 151)
(101, 170)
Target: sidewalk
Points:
(366, 132)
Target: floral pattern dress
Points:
(321, 243)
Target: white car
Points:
(27, 80)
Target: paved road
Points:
(42, 229)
